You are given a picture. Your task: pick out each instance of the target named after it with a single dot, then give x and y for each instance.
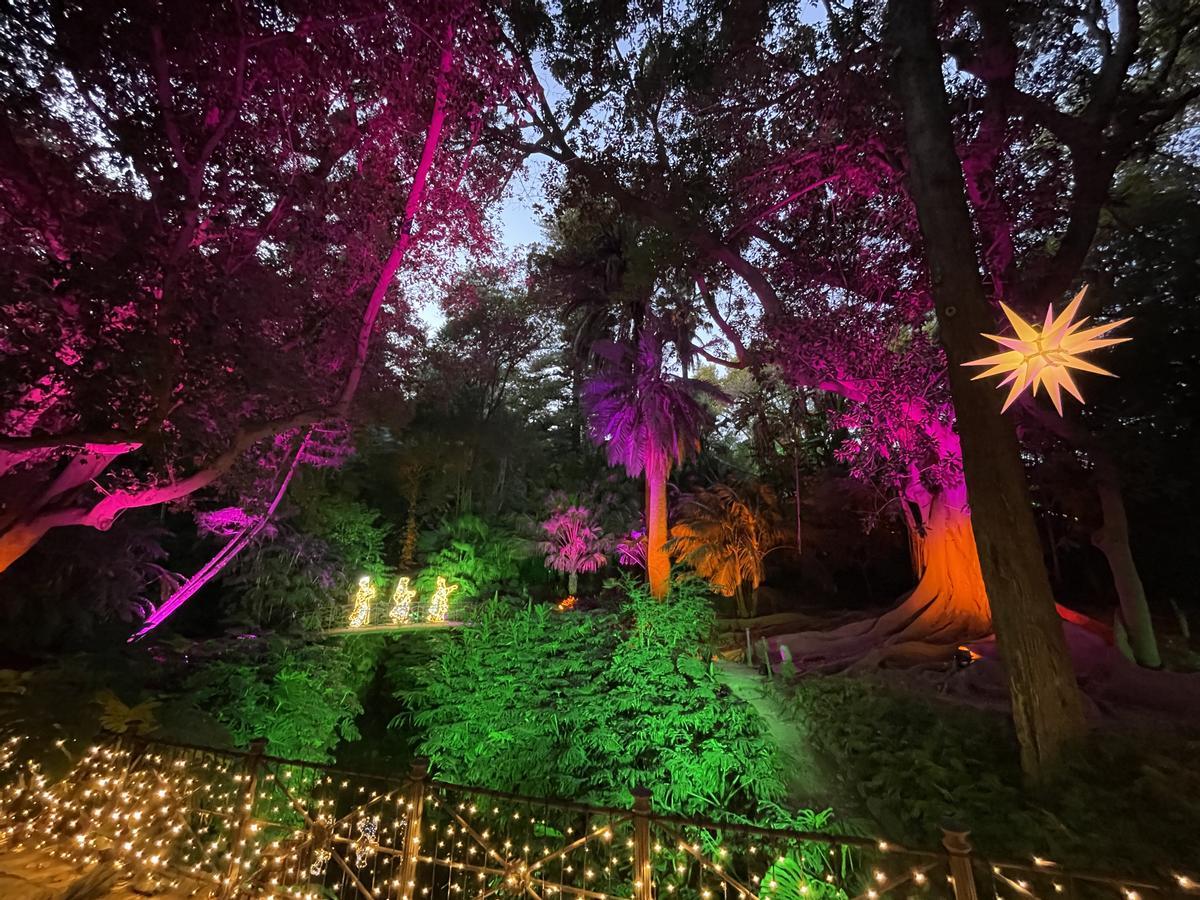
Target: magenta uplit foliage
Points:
(574, 541)
(224, 522)
(638, 412)
(898, 423)
(204, 252)
(631, 549)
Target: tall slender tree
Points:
(647, 420)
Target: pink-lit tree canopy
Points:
(206, 208)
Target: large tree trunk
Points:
(1046, 703)
(948, 606)
(949, 603)
(20, 538)
(658, 563)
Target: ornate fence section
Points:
(215, 824)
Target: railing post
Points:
(244, 814)
(643, 874)
(956, 840)
(418, 779)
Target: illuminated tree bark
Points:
(949, 603)
(948, 606)
(658, 563)
(1046, 704)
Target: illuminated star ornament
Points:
(1045, 356)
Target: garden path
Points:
(806, 782)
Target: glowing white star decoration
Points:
(1044, 356)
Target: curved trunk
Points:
(1112, 539)
(948, 606)
(658, 563)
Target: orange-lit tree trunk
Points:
(949, 603)
(947, 607)
(658, 563)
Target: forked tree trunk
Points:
(1046, 703)
(658, 563)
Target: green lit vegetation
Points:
(590, 705)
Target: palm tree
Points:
(647, 419)
(725, 533)
(574, 543)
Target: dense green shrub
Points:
(352, 528)
(301, 578)
(478, 557)
(589, 705)
(303, 698)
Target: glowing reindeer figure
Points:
(364, 595)
(439, 603)
(402, 602)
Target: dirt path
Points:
(34, 875)
(806, 783)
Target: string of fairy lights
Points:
(209, 824)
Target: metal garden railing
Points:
(244, 824)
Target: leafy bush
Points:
(294, 581)
(590, 705)
(476, 556)
(352, 528)
(303, 698)
(301, 578)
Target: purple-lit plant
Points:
(646, 418)
(574, 543)
(631, 549)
